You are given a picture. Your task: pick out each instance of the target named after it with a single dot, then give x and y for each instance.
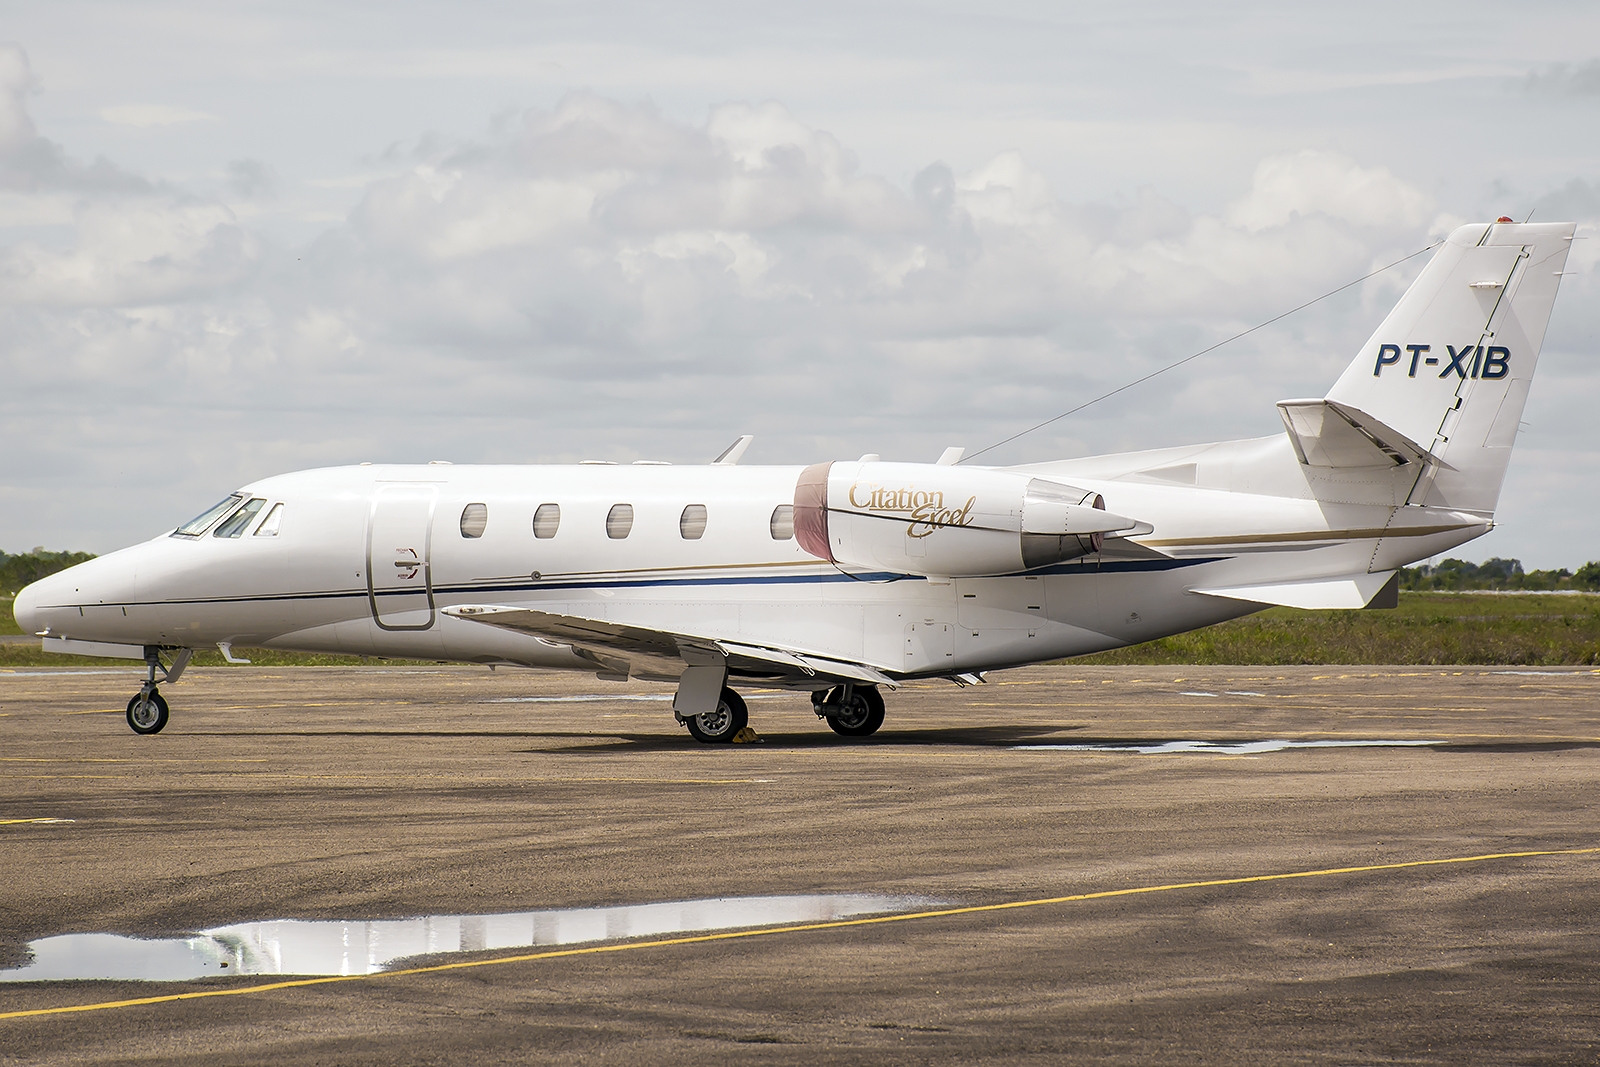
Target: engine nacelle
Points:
(946, 521)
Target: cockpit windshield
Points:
(234, 525)
(201, 522)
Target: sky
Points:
(243, 239)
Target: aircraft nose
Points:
(26, 607)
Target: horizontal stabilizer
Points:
(650, 647)
(1349, 592)
(1326, 433)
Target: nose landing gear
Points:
(147, 711)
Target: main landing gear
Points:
(851, 710)
(721, 725)
(147, 711)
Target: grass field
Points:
(1522, 629)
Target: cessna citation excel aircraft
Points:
(845, 579)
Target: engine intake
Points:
(945, 521)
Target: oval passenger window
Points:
(692, 523)
(783, 522)
(474, 518)
(619, 521)
(546, 521)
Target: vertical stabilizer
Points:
(1451, 365)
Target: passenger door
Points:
(399, 556)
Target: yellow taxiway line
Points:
(767, 931)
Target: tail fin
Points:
(1450, 367)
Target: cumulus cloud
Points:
(131, 251)
(29, 162)
(129, 241)
(597, 279)
(639, 232)
(1325, 183)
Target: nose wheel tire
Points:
(720, 726)
(857, 715)
(147, 713)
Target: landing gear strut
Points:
(851, 710)
(147, 711)
(721, 724)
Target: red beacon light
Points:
(1503, 218)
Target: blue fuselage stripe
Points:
(544, 586)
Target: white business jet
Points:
(847, 578)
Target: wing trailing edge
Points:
(629, 649)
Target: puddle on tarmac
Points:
(324, 947)
(621, 698)
(1223, 748)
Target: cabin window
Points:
(782, 524)
(198, 525)
(235, 524)
(619, 521)
(474, 519)
(546, 521)
(692, 523)
(269, 525)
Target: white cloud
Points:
(647, 269)
(147, 115)
(132, 251)
(16, 82)
(1314, 182)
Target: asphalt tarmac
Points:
(1087, 801)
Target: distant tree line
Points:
(18, 571)
(1497, 573)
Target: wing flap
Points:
(605, 641)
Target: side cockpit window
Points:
(234, 525)
(269, 525)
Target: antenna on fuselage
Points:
(733, 452)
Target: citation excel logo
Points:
(925, 508)
(1470, 361)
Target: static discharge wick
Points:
(1197, 355)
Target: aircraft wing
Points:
(631, 650)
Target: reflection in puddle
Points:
(316, 947)
(1215, 748)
